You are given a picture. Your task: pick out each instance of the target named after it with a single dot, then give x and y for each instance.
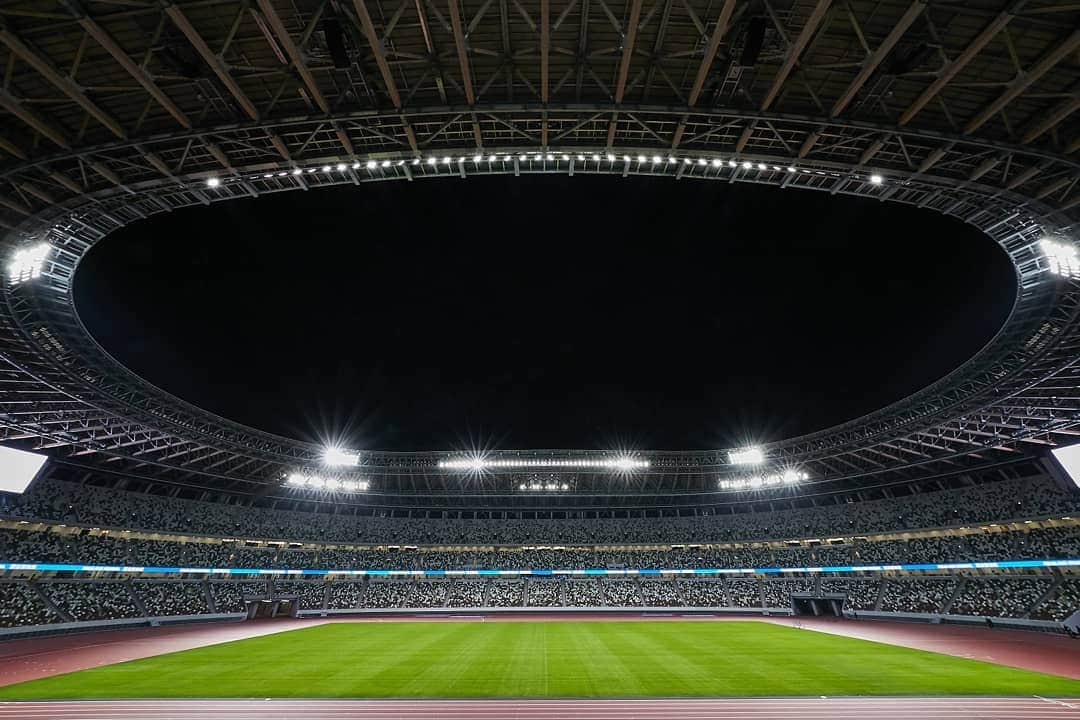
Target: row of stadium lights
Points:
(655, 160)
(336, 457)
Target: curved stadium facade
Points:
(913, 508)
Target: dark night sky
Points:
(545, 311)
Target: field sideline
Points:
(544, 660)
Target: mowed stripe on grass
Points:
(545, 659)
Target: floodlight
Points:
(670, 160)
(549, 157)
(702, 161)
(270, 175)
(732, 163)
(747, 165)
(491, 158)
(416, 161)
(622, 463)
(356, 166)
(565, 157)
(297, 171)
(610, 157)
(432, 161)
(791, 169)
(747, 456)
(656, 159)
(762, 166)
(342, 167)
(311, 170)
(326, 168)
(686, 161)
(461, 159)
(386, 163)
(1069, 458)
(18, 468)
(212, 182)
(1061, 257)
(371, 164)
(26, 264)
(581, 158)
(446, 161)
(876, 179)
(717, 162)
(337, 457)
(596, 157)
(282, 174)
(626, 158)
(477, 159)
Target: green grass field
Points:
(544, 659)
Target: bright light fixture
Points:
(26, 264)
(385, 163)
(747, 165)
(545, 486)
(297, 171)
(1061, 257)
(656, 159)
(315, 482)
(371, 164)
(717, 162)
(746, 456)
(756, 482)
(326, 168)
(622, 463)
(876, 179)
(212, 182)
(337, 457)
(762, 166)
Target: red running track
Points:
(719, 709)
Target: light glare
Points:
(26, 264)
(1061, 257)
(747, 456)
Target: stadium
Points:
(159, 559)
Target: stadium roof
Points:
(118, 112)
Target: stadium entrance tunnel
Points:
(273, 608)
(818, 606)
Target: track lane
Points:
(848, 708)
